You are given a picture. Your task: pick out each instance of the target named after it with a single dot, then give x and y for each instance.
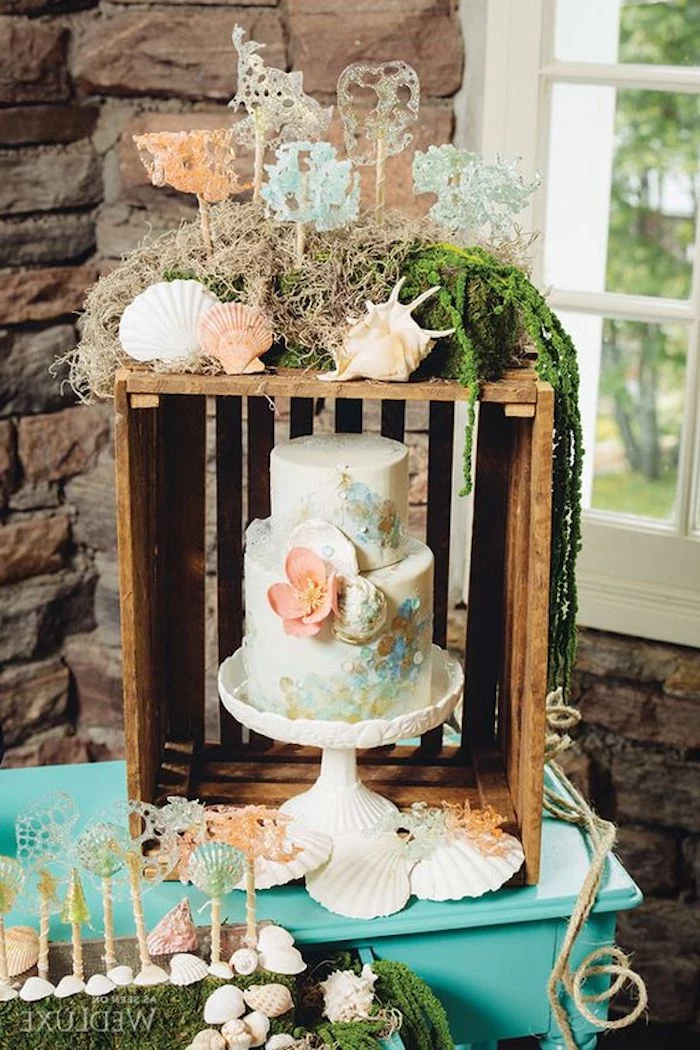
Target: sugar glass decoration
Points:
(199, 162)
(309, 185)
(43, 831)
(100, 849)
(471, 192)
(373, 133)
(215, 868)
(11, 884)
(75, 913)
(277, 108)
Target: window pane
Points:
(632, 388)
(651, 32)
(622, 190)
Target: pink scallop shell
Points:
(236, 335)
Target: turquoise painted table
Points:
(488, 960)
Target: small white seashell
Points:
(273, 1000)
(259, 1027)
(271, 938)
(122, 976)
(458, 869)
(160, 324)
(35, 989)
(237, 1035)
(22, 946)
(99, 985)
(208, 1039)
(151, 975)
(222, 970)
(365, 878)
(68, 986)
(361, 610)
(187, 969)
(244, 961)
(224, 1004)
(347, 997)
(236, 335)
(329, 542)
(283, 960)
(387, 344)
(281, 1041)
(176, 932)
(7, 992)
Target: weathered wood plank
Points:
(301, 418)
(348, 416)
(229, 542)
(393, 419)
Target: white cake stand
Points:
(339, 803)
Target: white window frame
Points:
(635, 576)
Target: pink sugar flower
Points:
(310, 596)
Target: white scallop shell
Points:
(187, 969)
(360, 610)
(328, 541)
(8, 993)
(459, 869)
(236, 1035)
(99, 985)
(244, 961)
(259, 1027)
(273, 1000)
(36, 989)
(386, 344)
(314, 849)
(69, 986)
(160, 324)
(366, 877)
(122, 976)
(224, 1004)
(236, 335)
(208, 1039)
(22, 945)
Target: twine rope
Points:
(601, 834)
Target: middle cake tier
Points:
(324, 675)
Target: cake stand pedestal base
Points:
(339, 803)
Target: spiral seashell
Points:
(236, 1035)
(236, 335)
(187, 969)
(360, 610)
(259, 1027)
(22, 945)
(273, 1000)
(176, 932)
(208, 1039)
(244, 961)
(160, 324)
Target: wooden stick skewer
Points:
(137, 905)
(251, 933)
(380, 184)
(43, 960)
(76, 941)
(4, 977)
(215, 930)
(108, 920)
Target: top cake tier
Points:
(358, 482)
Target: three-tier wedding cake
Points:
(339, 600)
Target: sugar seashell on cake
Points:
(360, 610)
(273, 1000)
(160, 324)
(458, 869)
(366, 877)
(388, 343)
(235, 335)
(176, 932)
(328, 541)
(22, 946)
(186, 969)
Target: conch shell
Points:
(236, 335)
(387, 344)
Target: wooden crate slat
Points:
(485, 603)
(518, 386)
(301, 417)
(393, 419)
(229, 542)
(441, 431)
(348, 416)
(181, 527)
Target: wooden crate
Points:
(161, 478)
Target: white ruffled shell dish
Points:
(186, 969)
(367, 877)
(313, 849)
(22, 946)
(387, 344)
(457, 869)
(160, 324)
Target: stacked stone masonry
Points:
(77, 79)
